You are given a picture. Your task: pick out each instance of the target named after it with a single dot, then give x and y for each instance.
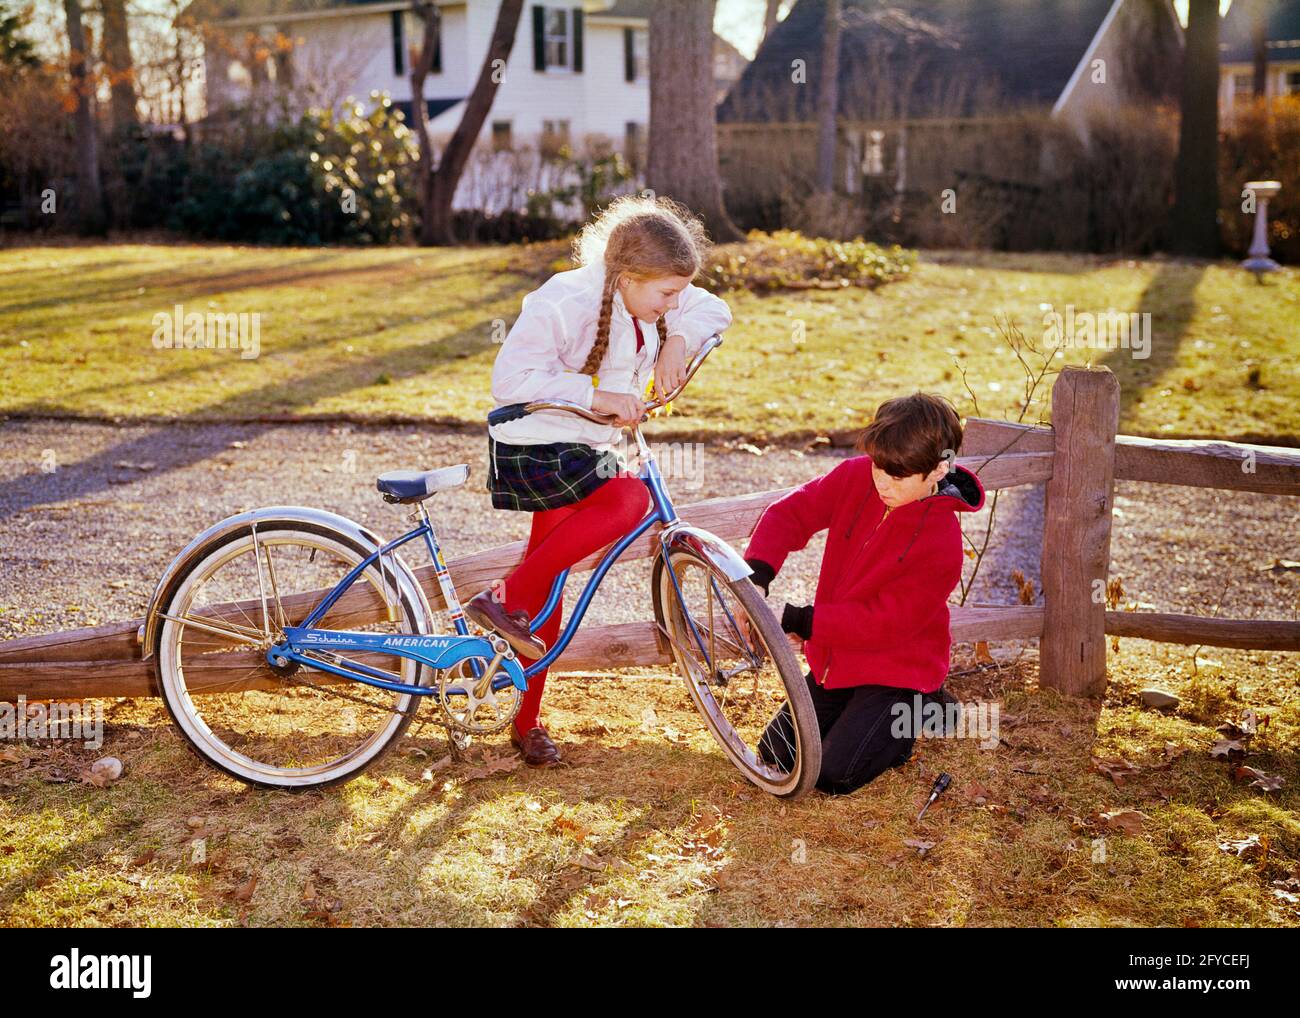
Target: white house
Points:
(1237, 53)
(576, 70)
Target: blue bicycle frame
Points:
(442, 652)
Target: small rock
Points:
(109, 767)
(1160, 699)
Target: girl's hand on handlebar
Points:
(626, 408)
(670, 366)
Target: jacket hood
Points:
(963, 488)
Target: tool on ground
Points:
(941, 784)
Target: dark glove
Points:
(764, 574)
(798, 619)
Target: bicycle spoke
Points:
(237, 633)
(275, 590)
(261, 587)
(715, 640)
(274, 721)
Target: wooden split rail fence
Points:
(1080, 457)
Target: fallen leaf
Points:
(245, 890)
(977, 793)
(1257, 778)
(1129, 821)
(1115, 768)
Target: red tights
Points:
(561, 538)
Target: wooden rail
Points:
(1079, 459)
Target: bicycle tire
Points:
(807, 764)
(186, 722)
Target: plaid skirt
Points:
(533, 478)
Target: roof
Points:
(961, 56)
(1282, 32)
(216, 10)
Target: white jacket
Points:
(544, 352)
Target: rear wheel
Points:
(740, 671)
(292, 726)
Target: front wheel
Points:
(740, 671)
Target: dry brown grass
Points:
(648, 825)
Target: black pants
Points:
(856, 725)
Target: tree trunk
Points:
(90, 200)
(118, 64)
(1195, 228)
(682, 162)
(439, 186)
(828, 98)
(1259, 42)
(769, 21)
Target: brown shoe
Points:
(513, 626)
(537, 748)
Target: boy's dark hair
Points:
(910, 434)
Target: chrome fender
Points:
(708, 546)
(404, 578)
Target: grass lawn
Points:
(647, 824)
(409, 333)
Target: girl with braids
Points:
(597, 336)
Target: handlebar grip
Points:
(508, 413)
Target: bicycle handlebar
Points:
(516, 410)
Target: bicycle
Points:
(271, 664)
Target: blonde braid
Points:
(662, 326)
(598, 348)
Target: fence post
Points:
(1076, 531)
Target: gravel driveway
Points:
(91, 513)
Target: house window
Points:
(873, 160)
(1291, 82)
(1243, 85)
(501, 139)
(640, 54)
(555, 135)
(633, 139)
(399, 43)
(557, 37)
(240, 79)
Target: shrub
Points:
(317, 180)
(786, 260)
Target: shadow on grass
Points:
(170, 447)
(1170, 298)
(166, 287)
(308, 342)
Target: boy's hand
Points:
(670, 366)
(626, 408)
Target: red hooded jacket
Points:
(880, 616)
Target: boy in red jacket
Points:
(877, 630)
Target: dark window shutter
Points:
(539, 37)
(577, 38)
(399, 44)
(437, 51)
(629, 56)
